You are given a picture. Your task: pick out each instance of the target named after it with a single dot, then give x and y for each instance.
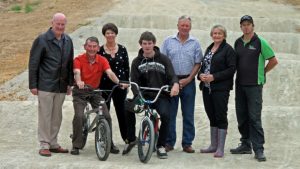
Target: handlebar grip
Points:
(124, 81)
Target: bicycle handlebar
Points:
(102, 90)
(163, 88)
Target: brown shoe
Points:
(188, 149)
(168, 148)
(59, 150)
(45, 152)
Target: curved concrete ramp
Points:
(281, 113)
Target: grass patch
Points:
(28, 8)
(16, 8)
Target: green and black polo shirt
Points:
(251, 58)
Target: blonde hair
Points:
(221, 28)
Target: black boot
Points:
(259, 155)
(243, 148)
(114, 149)
(75, 151)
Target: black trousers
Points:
(248, 102)
(162, 106)
(216, 107)
(118, 97)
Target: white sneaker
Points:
(161, 153)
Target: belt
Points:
(182, 76)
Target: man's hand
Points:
(34, 91)
(80, 84)
(124, 85)
(184, 82)
(207, 78)
(174, 90)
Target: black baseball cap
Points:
(246, 18)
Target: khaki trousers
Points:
(49, 118)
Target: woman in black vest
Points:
(216, 76)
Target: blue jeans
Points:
(187, 100)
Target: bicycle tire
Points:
(85, 128)
(102, 140)
(146, 140)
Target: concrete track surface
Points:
(281, 113)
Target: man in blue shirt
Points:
(185, 53)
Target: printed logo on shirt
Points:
(152, 66)
(251, 47)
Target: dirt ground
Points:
(19, 29)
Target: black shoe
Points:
(128, 147)
(242, 149)
(259, 155)
(114, 149)
(75, 151)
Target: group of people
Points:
(53, 71)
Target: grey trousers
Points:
(49, 118)
(80, 100)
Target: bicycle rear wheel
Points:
(102, 139)
(146, 140)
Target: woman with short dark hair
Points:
(117, 56)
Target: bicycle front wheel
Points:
(146, 140)
(102, 139)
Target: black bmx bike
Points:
(98, 124)
(149, 124)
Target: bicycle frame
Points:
(98, 111)
(149, 126)
(99, 115)
(100, 126)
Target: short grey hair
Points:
(92, 39)
(183, 17)
(221, 28)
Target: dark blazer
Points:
(223, 67)
(51, 66)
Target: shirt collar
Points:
(175, 36)
(97, 59)
(52, 35)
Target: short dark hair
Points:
(110, 26)
(92, 39)
(148, 36)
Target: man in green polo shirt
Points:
(252, 52)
